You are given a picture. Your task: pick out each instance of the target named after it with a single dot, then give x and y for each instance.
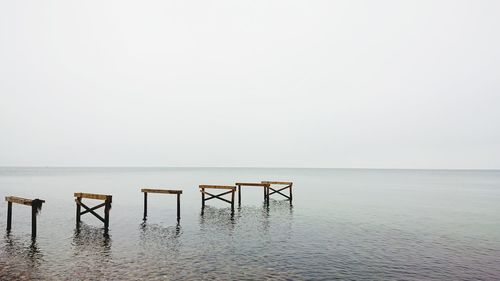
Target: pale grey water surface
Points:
(343, 224)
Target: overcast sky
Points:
(381, 84)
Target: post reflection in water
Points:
(20, 259)
(93, 244)
(153, 235)
(223, 219)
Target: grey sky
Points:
(401, 84)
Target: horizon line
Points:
(264, 167)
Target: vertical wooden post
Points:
(178, 206)
(232, 199)
(106, 213)
(145, 205)
(78, 210)
(203, 198)
(33, 220)
(9, 216)
(291, 192)
(267, 194)
(239, 194)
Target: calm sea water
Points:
(343, 224)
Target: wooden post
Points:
(203, 198)
(35, 204)
(107, 207)
(178, 206)
(145, 205)
(162, 191)
(9, 216)
(239, 194)
(78, 210)
(291, 192)
(33, 220)
(91, 210)
(232, 199)
(231, 189)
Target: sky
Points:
(320, 84)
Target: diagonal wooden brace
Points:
(218, 196)
(91, 210)
(278, 191)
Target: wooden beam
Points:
(165, 191)
(93, 196)
(219, 186)
(22, 201)
(277, 182)
(251, 184)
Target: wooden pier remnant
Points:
(240, 184)
(271, 190)
(107, 207)
(162, 191)
(36, 206)
(231, 190)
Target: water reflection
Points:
(92, 241)
(224, 219)
(20, 259)
(154, 238)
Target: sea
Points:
(343, 224)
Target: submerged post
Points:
(145, 206)
(162, 191)
(231, 190)
(284, 185)
(9, 215)
(178, 206)
(107, 207)
(35, 204)
(78, 210)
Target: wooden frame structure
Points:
(107, 206)
(240, 184)
(231, 190)
(288, 185)
(36, 205)
(162, 191)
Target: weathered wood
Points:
(35, 204)
(288, 185)
(162, 191)
(240, 184)
(34, 212)
(78, 210)
(178, 206)
(93, 208)
(92, 196)
(231, 188)
(277, 182)
(9, 216)
(22, 201)
(218, 186)
(107, 207)
(218, 196)
(145, 206)
(202, 198)
(166, 191)
(251, 184)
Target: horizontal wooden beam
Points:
(22, 201)
(251, 184)
(277, 182)
(93, 196)
(218, 186)
(165, 191)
